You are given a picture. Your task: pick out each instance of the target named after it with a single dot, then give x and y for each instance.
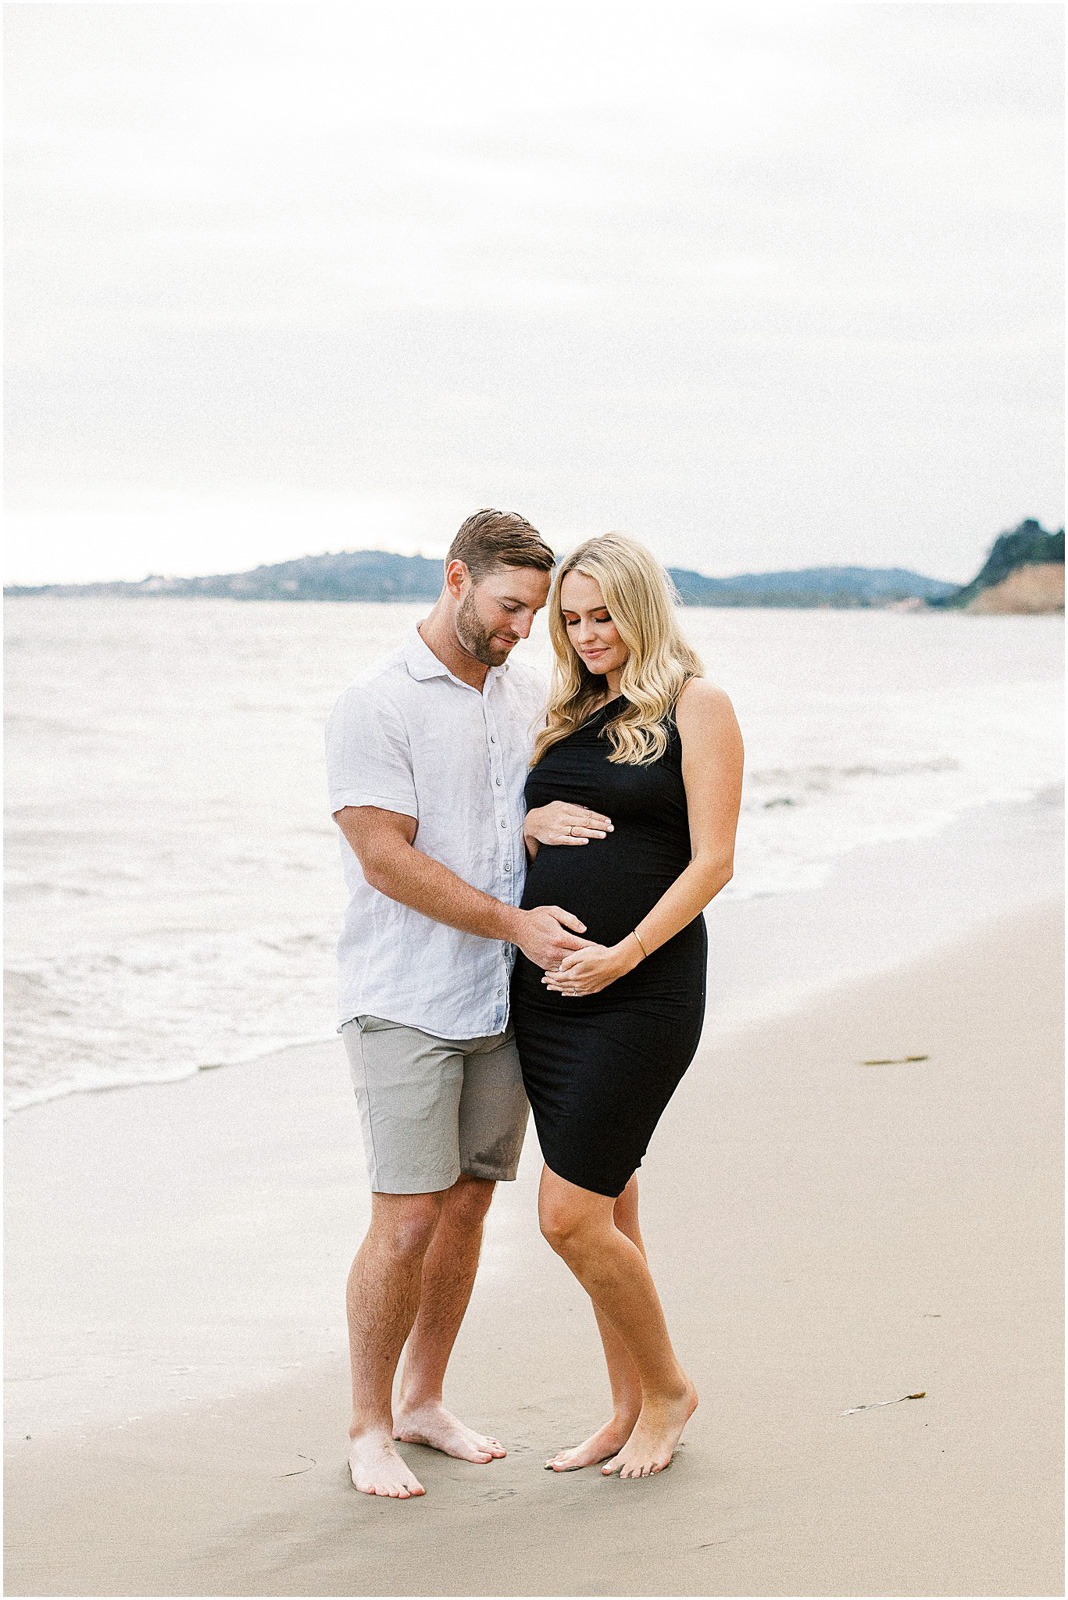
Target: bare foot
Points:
(656, 1433)
(431, 1424)
(598, 1447)
(377, 1468)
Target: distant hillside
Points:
(1019, 574)
(380, 575)
(351, 575)
(811, 586)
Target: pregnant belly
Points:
(610, 884)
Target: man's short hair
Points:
(499, 539)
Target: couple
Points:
(580, 841)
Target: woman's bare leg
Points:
(623, 1377)
(580, 1226)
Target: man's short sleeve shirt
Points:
(410, 737)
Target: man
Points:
(427, 757)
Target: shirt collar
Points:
(422, 663)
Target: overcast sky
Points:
(769, 286)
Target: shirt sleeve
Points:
(368, 755)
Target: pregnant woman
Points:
(633, 802)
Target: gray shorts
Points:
(432, 1108)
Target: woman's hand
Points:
(593, 968)
(562, 823)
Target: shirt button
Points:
(507, 866)
(504, 824)
(493, 738)
(497, 781)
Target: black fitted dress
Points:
(599, 1069)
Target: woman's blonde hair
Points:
(641, 600)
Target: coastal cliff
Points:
(1035, 588)
(1024, 573)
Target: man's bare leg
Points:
(382, 1300)
(449, 1268)
(623, 1377)
(580, 1227)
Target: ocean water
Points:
(173, 880)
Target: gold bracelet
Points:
(638, 936)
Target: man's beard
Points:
(472, 634)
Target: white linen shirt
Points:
(408, 736)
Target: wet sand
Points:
(826, 1234)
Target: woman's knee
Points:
(565, 1224)
(556, 1225)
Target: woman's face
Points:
(590, 629)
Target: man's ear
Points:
(457, 577)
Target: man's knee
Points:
(404, 1224)
(468, 1201)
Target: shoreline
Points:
(942, 867)
(852, 1234)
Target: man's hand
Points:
(543, 935)
(382, 842)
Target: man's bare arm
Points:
(383, 844)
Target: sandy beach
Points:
(827, 1233)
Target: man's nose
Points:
(523, 623)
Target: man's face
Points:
(498, 611)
